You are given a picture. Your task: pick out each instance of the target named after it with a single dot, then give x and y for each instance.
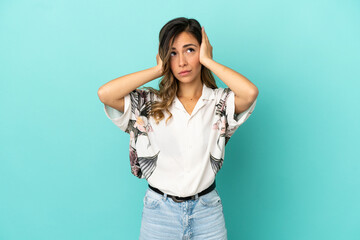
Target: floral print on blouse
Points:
(140, 107)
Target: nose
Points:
(182, 60)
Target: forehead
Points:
(184, 38)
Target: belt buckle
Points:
(176, 200)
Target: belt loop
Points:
(164, 196)
(196, 196)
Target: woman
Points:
(178, 133)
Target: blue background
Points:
(291, 171)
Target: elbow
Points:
(101, 93)
(254, 94)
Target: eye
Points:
(192, 50)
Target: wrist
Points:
(206, 62)
(158, 70)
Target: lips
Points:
(184, 72)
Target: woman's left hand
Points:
(205, 48)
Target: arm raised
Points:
(121, 86)
(113, 92)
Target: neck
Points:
(192, 90)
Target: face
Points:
(185, 57)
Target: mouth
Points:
(184, 73)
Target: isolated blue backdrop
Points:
(291, 172)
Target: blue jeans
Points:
(163, 218)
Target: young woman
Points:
(178, 133)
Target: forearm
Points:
(121, 86)
(240, 85)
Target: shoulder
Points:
(144, 94)
(222, 93)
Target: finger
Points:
(205, 35)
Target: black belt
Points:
(181, 199)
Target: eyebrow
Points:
(186, 45)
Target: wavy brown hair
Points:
(168, 85)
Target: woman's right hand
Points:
(159, 64)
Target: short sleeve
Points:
(136, 104)
(234, 120)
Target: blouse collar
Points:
(206, 95)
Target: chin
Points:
(186, 80)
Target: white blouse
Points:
(183, 157)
